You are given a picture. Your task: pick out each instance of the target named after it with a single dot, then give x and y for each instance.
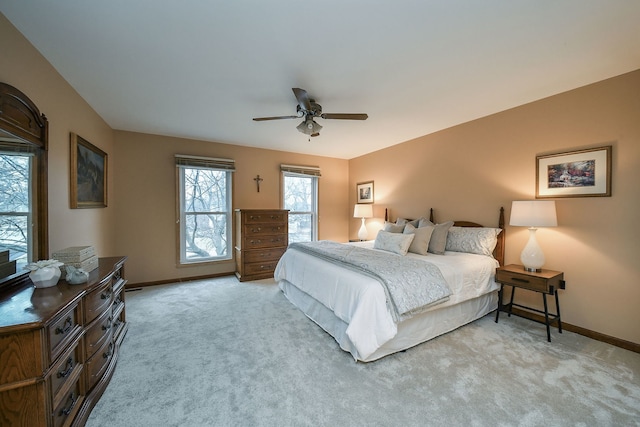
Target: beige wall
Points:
(22, 66)
(145, 183)
(469, 171)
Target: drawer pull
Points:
(67, 411)
(69, 367)
(108, 325)
(256, 230)
(107, 354)
(66, 327)
(517, 279)
(254, 242)
(105, 295)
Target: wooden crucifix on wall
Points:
(258, 180)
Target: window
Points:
(204, 186)
(16, 206)
(300, 197)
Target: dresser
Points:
(59, 347)
(262, 236)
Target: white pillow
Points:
(473, 240)
(420, 244)
(393, 242)
(438, 240)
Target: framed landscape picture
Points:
(582, 173)
(88, 175)
(364, 192)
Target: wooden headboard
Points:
(498, 252)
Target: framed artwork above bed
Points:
(582, 173)
(364, 192)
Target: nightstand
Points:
(546, 282)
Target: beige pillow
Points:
(422, 236)
(397, 243)
(393, 228)
(438, 241)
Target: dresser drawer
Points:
(66, 369)
(263, 255)
(96, 302)
(266, 217)
(68, 406)
(97, 333)
(118, 321)
(260, 268)
(264, 241)
(62, 330)
(251, 230)
(95, 367)
(532, 281)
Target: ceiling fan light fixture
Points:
(309, 127)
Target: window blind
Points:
(301, 170)
(205, 162)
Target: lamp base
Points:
(362, 233)
(532, 257)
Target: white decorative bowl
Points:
(45, 277)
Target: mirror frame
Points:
(20, 118)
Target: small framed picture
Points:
(88, 175)
(364, 192)
(582, 173)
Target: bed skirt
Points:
(411, 332)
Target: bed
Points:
(354, 308)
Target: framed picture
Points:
(88, 175)
(364, 192)
(583, 173)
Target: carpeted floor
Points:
(224, 353)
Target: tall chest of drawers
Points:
(59, 347)
(262, 236)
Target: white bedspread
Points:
(360, 301)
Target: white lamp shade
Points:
(362, 211)
(533, 213)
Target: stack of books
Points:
(83, 257)
(7, 268)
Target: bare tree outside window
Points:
(206, 214)
(15, 206)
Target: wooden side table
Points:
(546, 282)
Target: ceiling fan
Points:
(308, 109)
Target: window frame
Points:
(312, 173)
(202, 163)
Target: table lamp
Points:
(362, 211)
(532, 214)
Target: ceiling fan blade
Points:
(262, 119)
(303, 98)
(344, 116)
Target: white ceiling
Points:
(203, 68)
